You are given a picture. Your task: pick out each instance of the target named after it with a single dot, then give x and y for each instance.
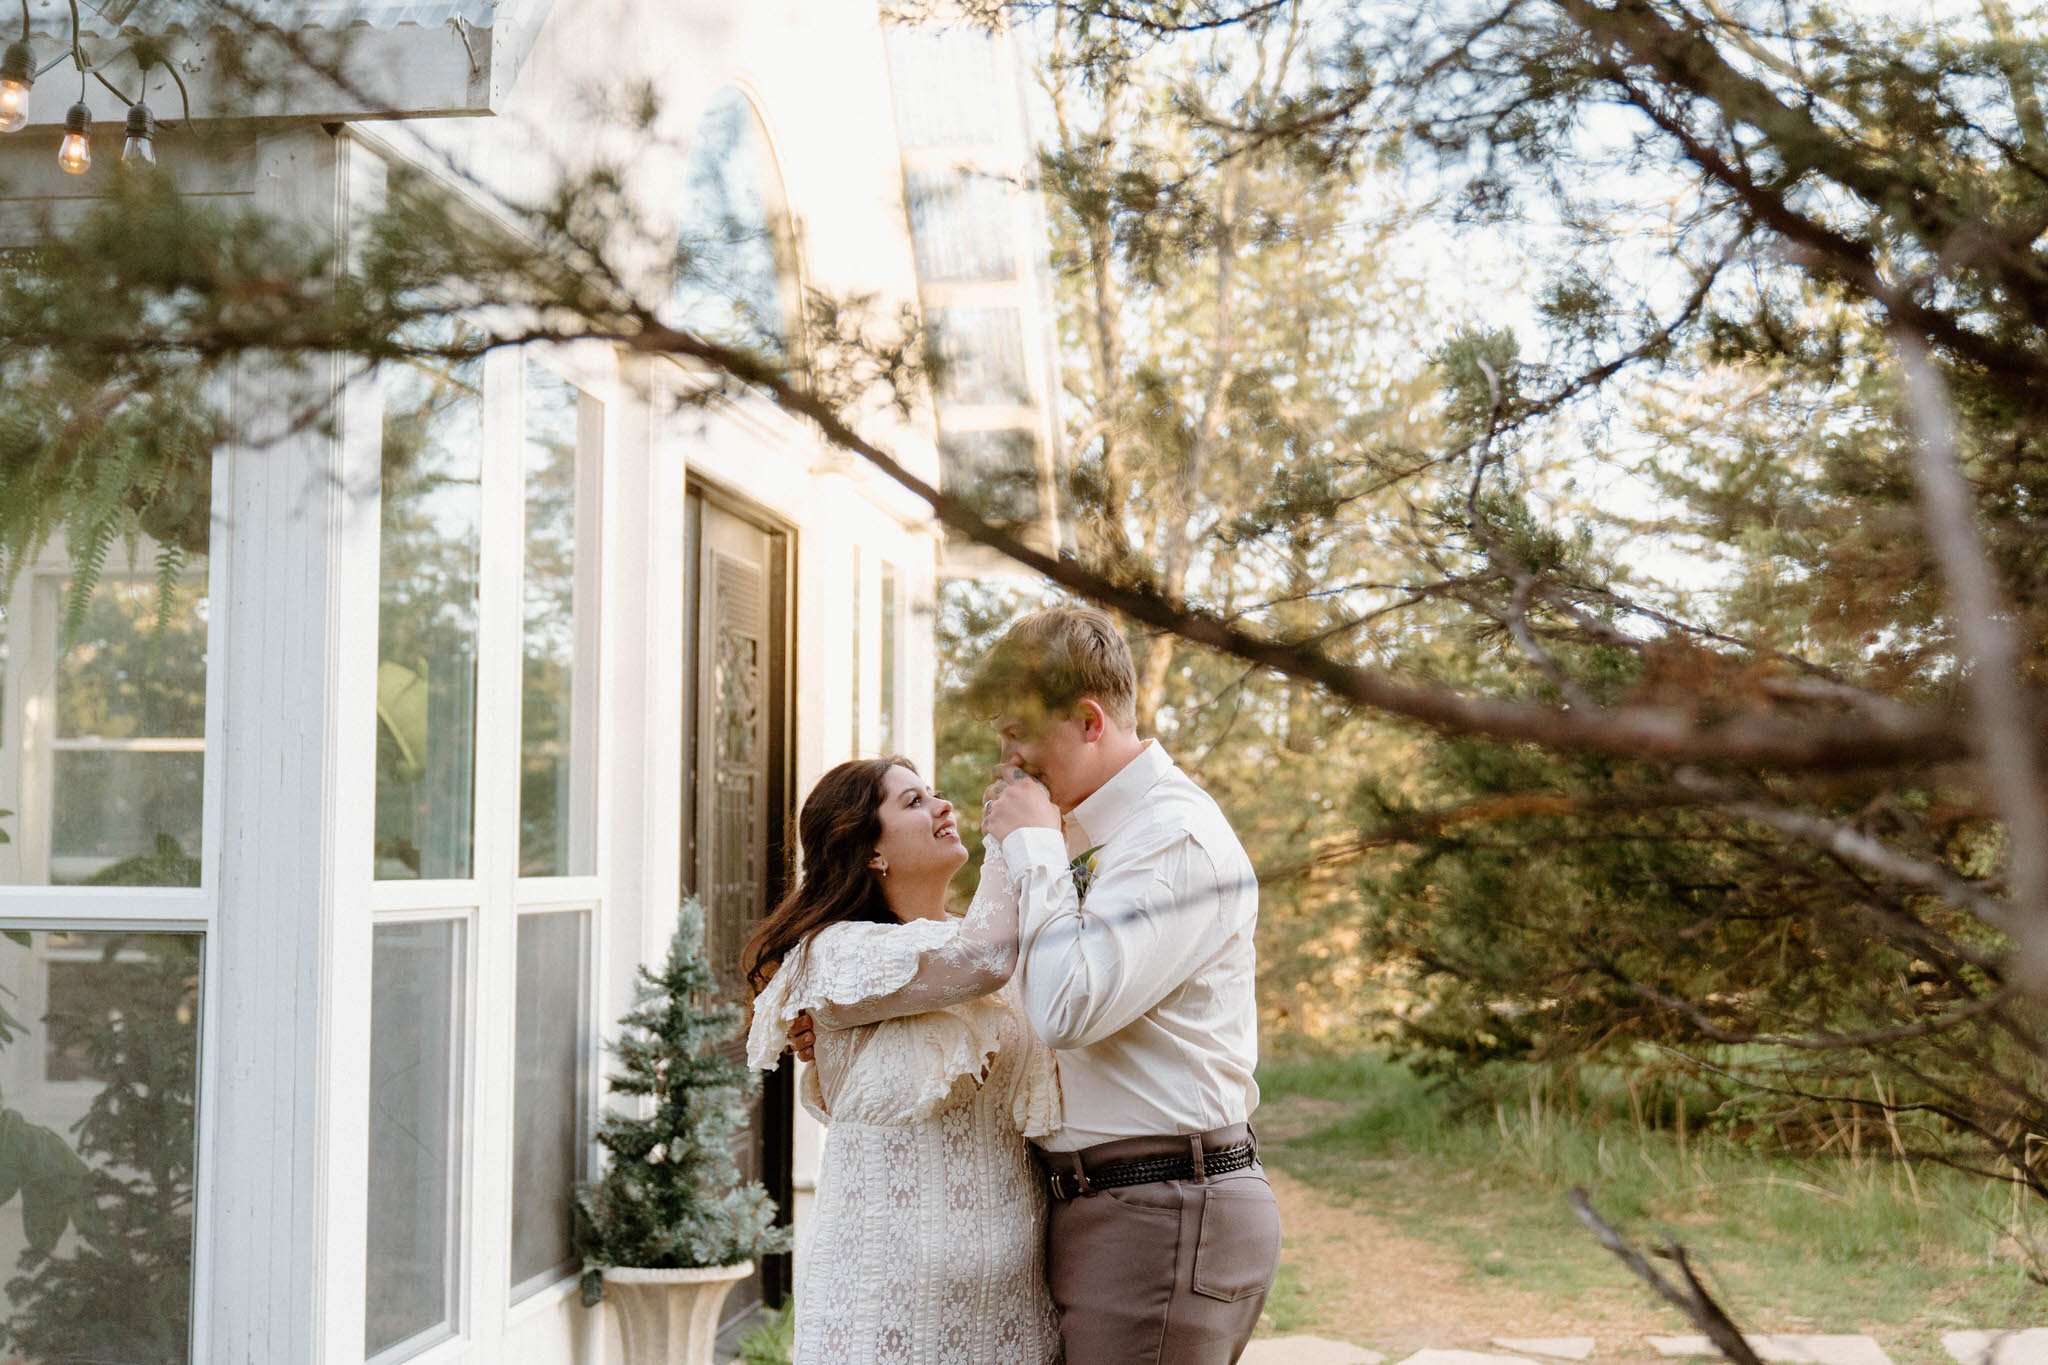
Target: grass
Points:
(1841, 1243)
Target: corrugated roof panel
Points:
(51, 19)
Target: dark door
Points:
(736, 788)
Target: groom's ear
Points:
(1094, 720)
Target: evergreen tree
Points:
(671, 1197)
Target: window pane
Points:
(104, 781)
(981, 355)
(730, 243)
(125, 818)
(416, 1043)
(890, 737)
(547, 1094)
(995, 472)
(99, 1052)
(427, 618)
(962, 224)
(557, 747)
(947, 83)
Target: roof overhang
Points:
(324, 61)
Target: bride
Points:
(928, 1238)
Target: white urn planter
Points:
(670, 1317)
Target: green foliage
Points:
(1849, 1239)
(671, 1197)
(120, 1289)
(773, 1342)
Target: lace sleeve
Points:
(898, 969)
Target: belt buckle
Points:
(1068, 1186)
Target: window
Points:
(549, 1140)
(558, 715)
(427, 618)
(995, 472)
(416, 1049)
(103, 760)
(948, 85)
(489, 886)
(733, 243)
(962, 225)
(892, 730)
(99, 1063)
(981, 355)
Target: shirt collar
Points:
(1090, 824)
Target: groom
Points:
(1137, 906)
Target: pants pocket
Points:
(1238, 1250)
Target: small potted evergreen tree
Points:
(670, 1228)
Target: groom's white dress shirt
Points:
(1145, 985)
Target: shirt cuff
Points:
(1034, 846)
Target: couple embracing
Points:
(1038, 1143)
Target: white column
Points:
(300, 525)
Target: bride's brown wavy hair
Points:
(838, 829)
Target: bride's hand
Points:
(1018, 802)
(803, 1037)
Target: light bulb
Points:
(75, 154)
(140, 148)
(17, 78)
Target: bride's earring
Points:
(880, 867)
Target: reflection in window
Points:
(416, 1042)
(995, 472)
(548, 1088)
(962, 224)
(731, 243)
(99, 1055)
(101, 772)
(947, 84)
(427, 617)
(128, 756)
(981, 355)
(557, 745)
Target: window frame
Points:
(147, 909)
(496, 896)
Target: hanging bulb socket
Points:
(74, 154)
(17, 78)
(140, 147)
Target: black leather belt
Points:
(1065, 1185)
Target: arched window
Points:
(734, 257)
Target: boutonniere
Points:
(1083, 868)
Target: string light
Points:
(75, 153)
(140, 148)
(17, 78)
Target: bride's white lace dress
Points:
(927, 1239)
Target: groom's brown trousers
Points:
(1173, 1272)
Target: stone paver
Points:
(1437, 1356)
(1820, 1349)
(2028, 1347)
(1558, 1348)
(1308, 1351)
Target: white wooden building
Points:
(460, 697)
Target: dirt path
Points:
(1368, 1283)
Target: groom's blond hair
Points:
(1058, 658)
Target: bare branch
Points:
(1690, 1298)
(1999, 716)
